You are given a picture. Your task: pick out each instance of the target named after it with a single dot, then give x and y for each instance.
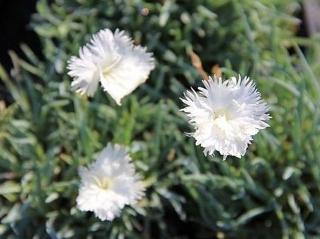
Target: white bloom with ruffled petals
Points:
(226, 114)
(113, 60)
(109, 184)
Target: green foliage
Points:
(48, 130)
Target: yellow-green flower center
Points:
(221, 113)
(107, 69)
(104, 183)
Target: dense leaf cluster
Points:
(48, 131)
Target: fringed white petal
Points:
(113, 60)
(225, 115)
(109, 184)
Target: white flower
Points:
(109, 184)
(226, 114)
(114, 61)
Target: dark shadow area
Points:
(15, 17)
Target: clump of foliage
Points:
(47, 130)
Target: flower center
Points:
(104, 183)
(221, 113)
(108, 68)
(222, 120)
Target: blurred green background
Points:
(47, 131)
